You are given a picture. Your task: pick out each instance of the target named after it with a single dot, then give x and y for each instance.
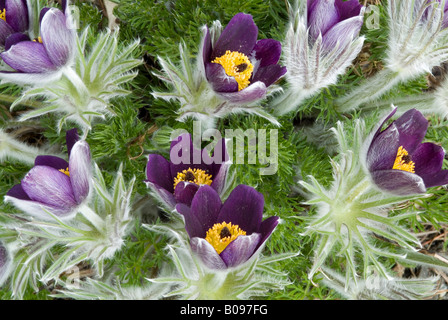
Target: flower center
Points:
(3, 14)
(65, 171)
(236, 65)
(221, 234)
(197, 176)
(403, 161)
(38, 39)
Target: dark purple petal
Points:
(398, 182)
(266, 229)
(439, 178)
(348, 9)
(240, 250)
(219, 179)
(59, 41)
(184, 192)
(267, 52)
(206, 47)
(17, 14)
(5, 31)
(206, 206)
(18, 192)
(218, 78)
(15, 38)
(322, 16)
(71, 137)
(239, 35)
(428, 159)
(269, 74)
(193, 226)
(207, 254)
(28, 57)
(51, 161)
(184, 155)
(243, 207)
(158, 172)
(80, 169)
(50, 187)
(166, 197)
(412, 126)
(42, 13)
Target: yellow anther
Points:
(197, 176)
(403, 161)
(3, 14)
(65, 171)
(222, 234)
(236, 65)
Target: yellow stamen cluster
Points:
(236, 65)
(197, 176)
(3, 14)
(221, 234)
(38, 39)
(65, 171)
(403, 161)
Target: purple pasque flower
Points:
(13, 18)
(239, 67)
(47, 54)
(226, 235)
(54, 184)
(177, 180)
(336, 21)
(398, 161)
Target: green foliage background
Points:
(143, 124)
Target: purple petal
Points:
(240, 250)
(5, 31)
(218, 78)
(266, 229)
(184, 192)
(28, 57)
(80, 168)
(206, 206)
(18, 192)
(398, 182)
(71, 137)
(428, 159)
(254, 92)
(206, 47)
(269, 74)
(193, 225)
(207, 254)
(342, 34)
(239, 35)
(15, 38)
(243, 207)
(322, 16)
(267, 52)
(51, 161)
(165, 197)
(219, 179)
(17, 14)
(158, 172)
(59, 41)
(50, 187)
(412, 126)
(348, 9)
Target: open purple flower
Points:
(398, 161)
(13, 18)
(177, 180)
(238, 67)
(226, 235)
(336, 21)
(54, 184)
(47, 54)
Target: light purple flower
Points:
(13, 18)
(398, 161)
(49, 53)
(239, 67)
(54, 184)
(336, 21)
(429, 11)
(176, 181)
(226, 235)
